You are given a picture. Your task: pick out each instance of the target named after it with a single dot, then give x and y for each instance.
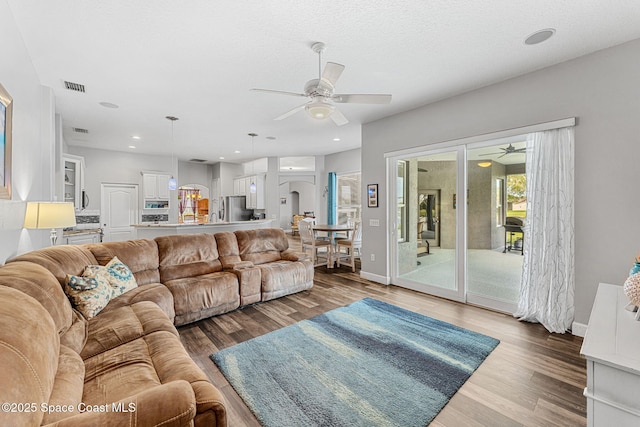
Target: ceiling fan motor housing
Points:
(318, 87)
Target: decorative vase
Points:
(632, 289)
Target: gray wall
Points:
(34, 147)
(602, 91)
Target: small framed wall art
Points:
(372, 195)
(6, 110)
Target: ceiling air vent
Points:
(197, 160)
(76, 87)
(80, 130)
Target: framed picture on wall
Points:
(372, 195)
(6, 110)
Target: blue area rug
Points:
(366, 364)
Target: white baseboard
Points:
(385, 280)
(578, 329)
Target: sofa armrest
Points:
(290, 255)
(170, 404)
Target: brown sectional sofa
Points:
(126, 365)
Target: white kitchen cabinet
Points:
(73, 180)
(155, 188)
(240, 186)
(81, 239)
(612, 349)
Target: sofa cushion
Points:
(60, 260)
(187, 255)
(261, 246)
(76, 336)
(39, 283)
(153, 292)
(150, 360)
(204, 296)
(285, 277)
(29, 349)
(141, 256)
(89, 300)
(67, 389)
(119, 326)
(121, 278)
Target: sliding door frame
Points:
(461, 146)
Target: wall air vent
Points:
(197, 160)
(76, 87)
(80, 130)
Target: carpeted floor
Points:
(366, 364)
(490, 273)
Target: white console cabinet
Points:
(612, 349)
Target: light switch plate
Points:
(374, 223)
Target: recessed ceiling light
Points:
(136, 137)
(336, 139)
(132, 146)
(540, 36)
(109, 105)
(221, 158)
(237, 152)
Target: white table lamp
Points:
(51, 215)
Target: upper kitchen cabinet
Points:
(73, 190)
(155, 187)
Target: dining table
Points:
(332, 229)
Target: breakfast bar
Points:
(151, 231)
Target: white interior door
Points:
(119, 210)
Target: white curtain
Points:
(547, 286)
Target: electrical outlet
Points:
(373, 257)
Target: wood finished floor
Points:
(532, 378)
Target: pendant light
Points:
(173, 184)
(252, 186)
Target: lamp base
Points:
(53, 236)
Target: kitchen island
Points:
(151, 231)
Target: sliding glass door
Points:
(495, 215)
(452, 235)
(427, 196)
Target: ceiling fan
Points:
(509, 150)
(321, 93)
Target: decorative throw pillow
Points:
(88, 294)
(120, 276)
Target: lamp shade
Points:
(49, 215)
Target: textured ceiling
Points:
(198, 59)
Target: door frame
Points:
(136, 213)
(459, 294)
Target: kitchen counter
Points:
(151, 231)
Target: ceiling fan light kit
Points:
(319, 109)
(321, 91)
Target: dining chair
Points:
(351, 246)
(344, 235)
(309, 241)
(294, 223)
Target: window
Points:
(349, 197)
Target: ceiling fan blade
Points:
(332, 72)
(291, 112)
(492, 154)
(361, 98)
(278, 92)
(338, 118)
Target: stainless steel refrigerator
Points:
(234, 208)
